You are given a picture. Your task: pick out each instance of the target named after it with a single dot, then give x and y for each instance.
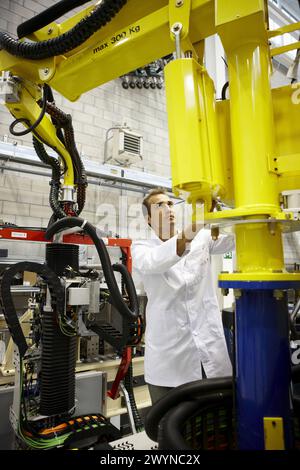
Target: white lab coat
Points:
(183, 320)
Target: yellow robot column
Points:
(262, 346)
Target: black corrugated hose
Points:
(64, 121)
(55, 180)
(129, 289)
(189, 391)
(45, 17)
(99, 17)
(170, 433)
(128, 382)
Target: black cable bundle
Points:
(58, 349)
(58, 368)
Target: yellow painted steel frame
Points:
(242, 28)
(241, 150)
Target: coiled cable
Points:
(26, 121)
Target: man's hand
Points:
(187, 235)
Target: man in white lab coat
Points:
(184, 334)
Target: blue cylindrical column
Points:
(263, 371)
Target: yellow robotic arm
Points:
(112, 37)
(103, 42)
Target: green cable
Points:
(41, 443)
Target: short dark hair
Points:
(146, 201)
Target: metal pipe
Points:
(90, 181)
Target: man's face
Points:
(162, 218)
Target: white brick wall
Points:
(24, 198)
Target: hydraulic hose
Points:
(99, 17)
(67, 222)
(184, 392)
(45, 17)
(170, 436)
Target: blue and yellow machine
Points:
(244, 151)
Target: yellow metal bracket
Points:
(274, 435)
(179, 12)
(179, 20)
(287, 165)
(50, 31)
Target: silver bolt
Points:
(179, 3)
(176, 27)
(50, 31)
(46, 71)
